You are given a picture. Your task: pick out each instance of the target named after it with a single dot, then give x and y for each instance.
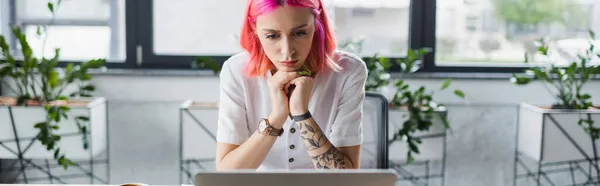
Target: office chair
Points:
(374, 149)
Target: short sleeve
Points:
(346, 129)
(232, 124)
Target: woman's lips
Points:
(288, 63)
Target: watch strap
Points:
(302, 117)
(270, 130)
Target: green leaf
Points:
(584, 96)
(51, 7)
(38, 31)
(89, 88)
(410, 55)
(399, 83)
(459, 93)
(305, 73)
(83, 118)
(56, 138)
(62, 98)
(592, 35)
(85, 95)
(543, 50)
(520, 80)
(539, 74)
(446, 84)
(85, 141)
(69, 68)
(207, 62)
(56, 153)
(53, 79)
(424, 51)
(409, 158)
(64, 108)
(405, 87)
(413, 147)
(385, 63)
(446, 122)
(55, 116)
(39, 125)
(95, 63)
(86, 77)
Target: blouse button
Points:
(292, 130)
(291, 160)
(292, 146)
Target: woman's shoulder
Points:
(350, 63)
(236, 63)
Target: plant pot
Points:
(553, 135)
(433, 140)
(71, 143)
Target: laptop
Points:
(354, 177)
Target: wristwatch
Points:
(266, 129)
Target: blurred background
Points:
(152, 49)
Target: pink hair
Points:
(323, 46)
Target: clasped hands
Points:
(297, 102)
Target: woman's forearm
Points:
(324, 155)
(250, 154)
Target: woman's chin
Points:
(288, 69)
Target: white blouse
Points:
(335, 104)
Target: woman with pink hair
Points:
(290, 100)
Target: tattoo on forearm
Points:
(323, 153)
(313, 138)
(333, 158)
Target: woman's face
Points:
(286, 36)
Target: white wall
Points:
(205, 88)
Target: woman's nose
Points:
(286, 49)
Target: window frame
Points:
(139, 42)
(130, 17)
(424, 12)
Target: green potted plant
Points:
(566, 129)
(46, 102)
(414, 108)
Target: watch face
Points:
(262, 126)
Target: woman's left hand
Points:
(300, 95)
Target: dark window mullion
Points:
(422, 29)
(12, 21)
(145, 32)
(429, 13)
(131, 34)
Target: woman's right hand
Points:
(280, 109)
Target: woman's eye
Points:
(271, 36)
(300, 33)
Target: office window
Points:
(369, 27)
(192, 27)
(184, 29)
(510, 30)
(82, 29)
(2, 18)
